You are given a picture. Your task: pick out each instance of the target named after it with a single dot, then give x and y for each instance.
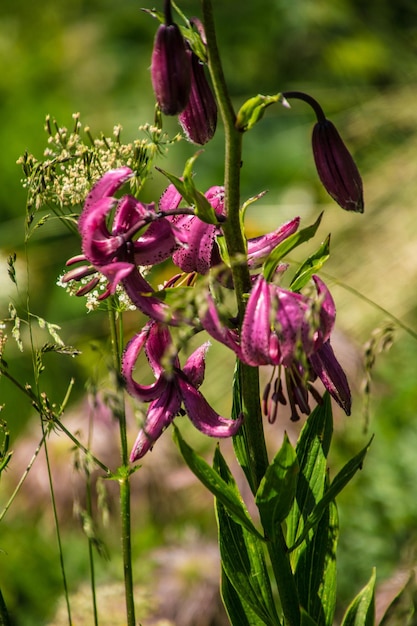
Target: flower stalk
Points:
(124, 480)
(253, 434)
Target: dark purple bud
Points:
(336, 168)
(199, 118)
(170, 70)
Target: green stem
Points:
(253, 435)
(255, 453)
(89, 507)
(124, 481)
(58, 532)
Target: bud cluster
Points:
(180, 84)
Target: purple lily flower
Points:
(172, 388)
(283, 328)
(115, 253)
(279, 323)
(200, 251)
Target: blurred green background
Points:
(89, 56)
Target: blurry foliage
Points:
(359, 60)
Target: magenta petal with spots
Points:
(256, 328)
(173, 386)
(260, 247)
(203, 416)
(110, 182)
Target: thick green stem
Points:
(124, 482)
(253, 439)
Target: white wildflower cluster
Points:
(92, 301)
(75, 160)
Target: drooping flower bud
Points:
(170, 67)
(199, 118)
(336, 168)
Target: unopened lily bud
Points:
(199, 118)
(336, 168)
(170, 70)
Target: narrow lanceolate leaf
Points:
(315, 574)
(276, 492)
(243, 562)
(240, 443)
(286, 246)
(311, 265)
(225, 493)
(312, 450)
(361, 611)
(238, 611)
(186, 187)
(339, 482)
(307, 620)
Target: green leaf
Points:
(243, 560)
(403, 609)
(307, 620)
(276, 492)
(253, 110)
(240, 443)
(316, 569)
(224, 492)
(311, 265)
(361, 611)
(312, 450)
(287, 245)
(190, 193)
(339, 482)
(238, 611)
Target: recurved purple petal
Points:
(329, 370)
(110, 182)
(144, 393)
(158, 344)
(211, 323)
(156, 244)
(196, 254)
(97, 243)
(194, 368)
(131, 213)
(291, 324)
(170, 199)
(256, 328)
(203, 416)
(215, 195)
(115, 273)
(139, 292)
(160, 414)
(327, 312)
(260, 247)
